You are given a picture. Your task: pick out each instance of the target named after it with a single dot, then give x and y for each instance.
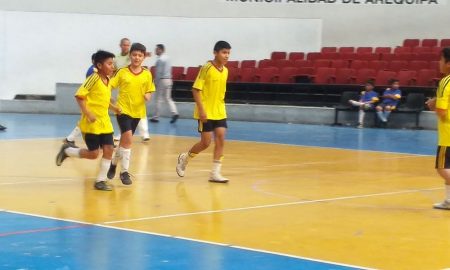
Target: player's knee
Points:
(388, 108)
(205, 143)
(379, 109)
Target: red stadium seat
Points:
(321, 63)
(434, 65)
(296, 56)
(418, 65)
(383, 50)
(406, 77)
(284, 63)
(387, 57)
(445, 42)
(266, 63)
(378, 65)
(234, 64)
(427, 57)
(303, 63)
(278, 55)
(398, 65)
(437, 50)
(234, 74)
(346, 50)
(330, 56)
(305, 71)
(312, 56)
(359, 64)
(429, 42)
(421, 49)
(324, 75)
(266, 75)
(349, 56)
(411, 42)
(247, 75)
(344, 76)
(403, 50)
(177, 73)
(191, 73)
(328, 49)
(384, 77)
(363, 75)
(287, 75)
(364, 50)
(368, 56)
(404, 57)
(248, 64)
(426, 77)
(339, 63)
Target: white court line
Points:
(272, 205)
(38, 181)
(194, 240)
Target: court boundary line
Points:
(90, 224)
(301, 202)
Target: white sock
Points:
(217, 166)
(73, 152)
(75, 133)
(117, 156)
(361, 116)
(126, 154)
(104, 167)
(386, 115)
(447, 191)
(143, 128)
(381, 116)
(356, 103)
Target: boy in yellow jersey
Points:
(93, 97)
(135, 84)
(441, 105)
(209, 94)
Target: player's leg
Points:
(158, 102)
(443, 169)
(128, 127)
(355, 103)
(387, 111)
(107, 142)
(168, 96)
(206, 132)
(361, 115)
(380, 113)
(219, 143)
(93, 144)
(70, 139)
(143, 129)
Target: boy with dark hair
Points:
(93, 97)
(135, 84)
(391, 97)
(366, 102)
(441, 105)
(209, 94)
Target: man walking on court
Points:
(163, 81)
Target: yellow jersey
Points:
(212, 84)
(442, 102)
(97, 95)
(132, 88)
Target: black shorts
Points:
(443, 157)
(127, 123)
(211, 125)
(96, 141)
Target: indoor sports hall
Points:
(314, 181)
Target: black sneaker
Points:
(125, 177)
(2, 128)
(102, 185)
(111, 171)
(61, 155)
(154, 120)
(174, 118)
(70, 143)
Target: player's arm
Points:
(81, 100)
(113, 107)
(431, 103)
(198, 101)
(442, 104)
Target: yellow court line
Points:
(273, 205)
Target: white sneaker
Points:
(182, 163)
(116, 138)
(145, 138)
(445, 205)
(216, 177)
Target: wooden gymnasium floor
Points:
(300, 197)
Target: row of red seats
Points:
(432, 42)
(361, 50)
(325, 75)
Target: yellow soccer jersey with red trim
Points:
(442, 102)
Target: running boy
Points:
(391, 98)
(441, 104)
(366, 102)
(135, 84)
(209, 94)
(93, 97)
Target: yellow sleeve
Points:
(90, 81)
(443, 99)
(151, 85)
(201, 77)
(115, 80)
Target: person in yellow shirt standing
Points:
(209, 95)
(441, 105)
(93, 97)
(135, 84)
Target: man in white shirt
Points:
(163, 82)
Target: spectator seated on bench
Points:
(390, 99)
(366, 102)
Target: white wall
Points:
(56, 47)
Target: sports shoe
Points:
(70, 143)
(2, 128)
(445, 205)
(154, 120)
(61, 156)
(145, 139)
(182, 163)
(174, 118)
(125, 177)
(102, 185)
(359, 126)
(111, 171)
(217, 178)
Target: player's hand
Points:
(203, 117)
(91, 117)
(431, 103)
(117, 110)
